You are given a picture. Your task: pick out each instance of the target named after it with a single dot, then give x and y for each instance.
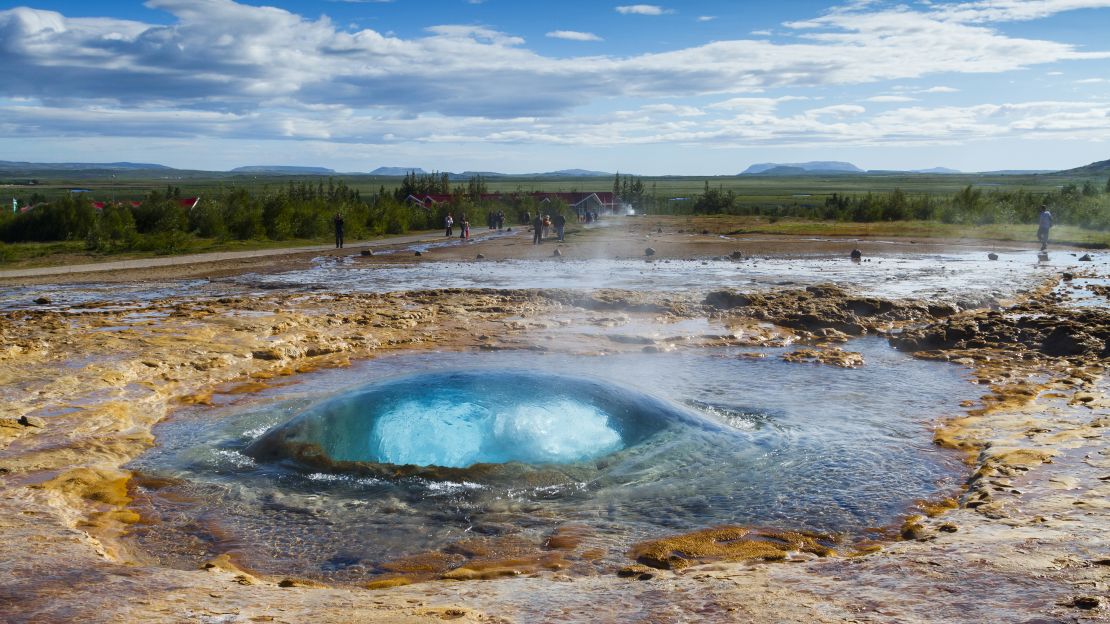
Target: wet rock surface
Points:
(81, 389)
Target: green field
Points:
(752, 190)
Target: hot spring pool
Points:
(347, 470)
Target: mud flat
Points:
(1020, 538)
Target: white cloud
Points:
(573, 35)
(642, 9)
(764, 104)
(890, 98)
(1013, 10)
(706, 18)
(673, 109)
(227, 70)
(1091, 81)
(761, 33)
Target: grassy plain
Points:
(765, 192)
(761, 190)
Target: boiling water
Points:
(307, 479)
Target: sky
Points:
(699, 87)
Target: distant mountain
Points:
(817, 166)
(7, 165)
(396, 171)
(1016, 172)
(574, 173)
(284, 169)
(786, 170)
(1101, 167)
(936, 170)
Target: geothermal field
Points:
(647, 422)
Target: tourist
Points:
(462, 224)
(337, 220)
(560, 222)
(546, 224)
(500, 219)
(450, 223)
(1045, 224)
(537, 230)
(465, 229)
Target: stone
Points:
(649, 251)
(32, 421)
(1085, 258)
(367, 252)
(558, 253)
(856, 254)
(1086, 602)
(736, 255)
(43, 300)
(992, 256)
(1064, 340)
(419, 253)
(480, 257)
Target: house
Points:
(188, 203)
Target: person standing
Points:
(560, 222)
(537, 230)
(465, 229)
(449, 222)
(1045, 224)
(462, 225)
(338, 222)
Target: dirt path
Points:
(217, 256)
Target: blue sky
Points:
(697, 87)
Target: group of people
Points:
(496, 220)
(464, 226)
(542, 223)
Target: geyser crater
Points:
(466, 418)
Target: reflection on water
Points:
(793, 446)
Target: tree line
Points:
(302, 210)
(159, 223)
(1085, 205)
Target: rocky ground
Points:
(81, 389)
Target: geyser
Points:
(460, 419)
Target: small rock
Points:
(649, 251)
(367, 252)
(419, 253)
(1067, 276)
(1085, 258)
(705, 231)
(992, 256)
(480, 257)
(43, 300)
(1085, 602)
(736, 255)
(32, 421)
(856, 254)
(558, 253)
(508, 229)
(296, 582)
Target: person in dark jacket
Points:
(560, 222)
(537, 230)
(338, 222)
